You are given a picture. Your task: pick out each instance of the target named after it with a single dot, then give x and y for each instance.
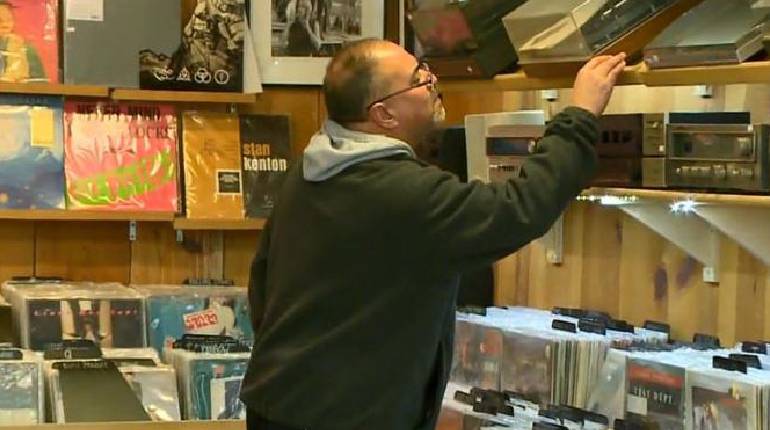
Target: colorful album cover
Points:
(656, 392)
(115, 323)
(29, 49)
(210, 57)
(31, 152)
(266, 153)
(212, 165)
(172, 315)
(720, 402)
(528, 366)
(120, 156)
(203, 374)
(20, 393)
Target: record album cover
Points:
(31, 152)
(528, 366)
(656, 391)
(716, 409)
(29, 33)
(115, 323)
(212, 165)
(120, 156)
(20, 393)
(223, 399)
(210, 57)
(103, 38)
(266, 153)
(155, 387)
(172, 314)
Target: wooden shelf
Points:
(85, 215)
(637, 74)
(183, 96)
(55, 89)
(219, 224)
(675, 196)
(177, 425)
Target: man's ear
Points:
(383, 117)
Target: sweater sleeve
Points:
(467, 224)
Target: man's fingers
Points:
(595, 61)
(607, 66)
(614, 73)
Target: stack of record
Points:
(691, 386)
(21, 388)
(209, 370)
(110, 315)
(529, 352)
(153, 382)
(175, 310)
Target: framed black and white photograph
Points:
(296, 38)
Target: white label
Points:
(636, 404)
(85, 10)
(204, 322)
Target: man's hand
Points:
(594, 82)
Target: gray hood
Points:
(335, 148)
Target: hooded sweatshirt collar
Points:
(335, 148)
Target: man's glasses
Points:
(429, 81)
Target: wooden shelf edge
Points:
(183, 96)
(674, 196)
(85, 215)
(746, 73)
(175, 425)
(55, 89)
(219, 224)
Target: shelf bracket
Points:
(132, 231)
(744, 224)
(684, 229)
(553, 240)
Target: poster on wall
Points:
(296, 38)
(211, 54)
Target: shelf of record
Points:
(100, 159)
(103, 352)
(567, 369)
(77, 48)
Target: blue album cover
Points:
(169, 315)
(224, 398)
(20, 393)
(31, 152)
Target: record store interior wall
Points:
(616, 264)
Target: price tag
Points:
(203, 322)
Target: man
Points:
(353, 287)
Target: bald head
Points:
(357, 75)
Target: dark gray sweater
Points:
(354, 284)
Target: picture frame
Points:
(272, 24)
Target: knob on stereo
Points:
(745, 146)
(720, 172)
